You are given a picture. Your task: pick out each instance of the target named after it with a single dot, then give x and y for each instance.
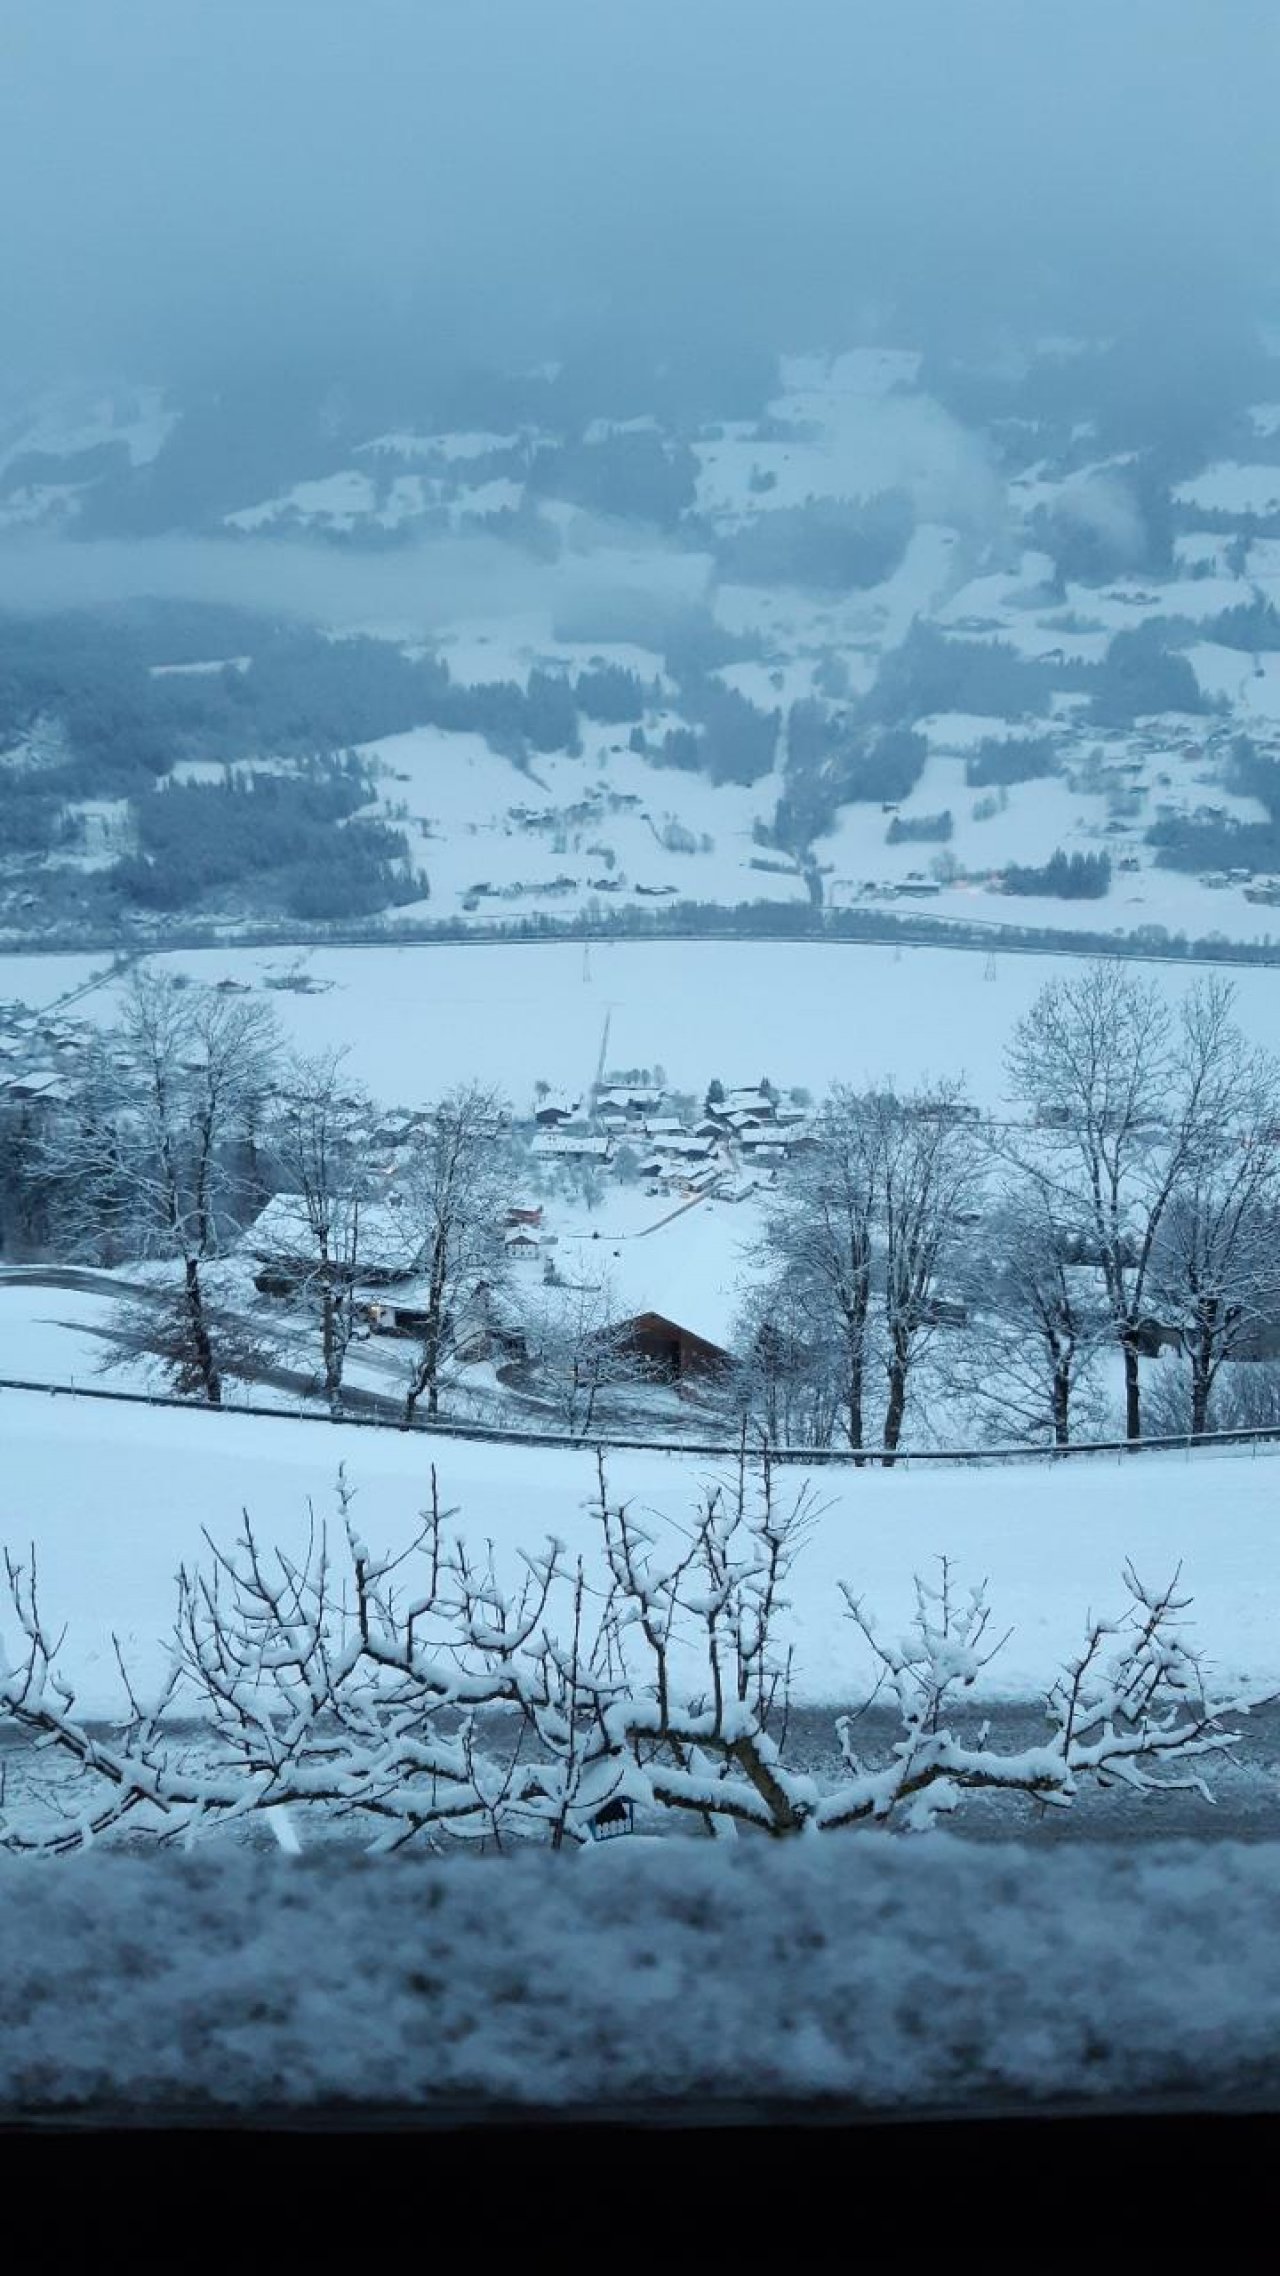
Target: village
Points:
(618, 1266)
(610, 1286)
(631, 1207)
(625, 1243)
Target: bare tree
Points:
(154, 1326)
(1215, 1262)
(1028, 1360)
(932, 1172)
(319, 1143)
(859, 1236)
(455, 1191)
(820, 1244)
(146, 1160)
(28, 1202)
(583, 1355)
(1246, 1396)
(1126, 1095)
(423, 1695)
(790, 1383)
(1250, 1400)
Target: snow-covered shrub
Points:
(434, 1699)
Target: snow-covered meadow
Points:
(115, 1498)
(536, 841)
(56, 1335)
(498, 843)
(416, 1020)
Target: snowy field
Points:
(114, 1499)
(416, 1020)
(570, 835)
(39, 981)
(57, 1335)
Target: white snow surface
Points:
(1227, 487)
(115, 1497)
(417, 1020)
(689, 1260)
(338, 500)
(917, 1975)
(455, 445)
(857, 426)
(57, 1335)
(603, 817)
(42, 981)
(65, 423)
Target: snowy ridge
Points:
(922, 1976)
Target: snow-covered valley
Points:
(484, 551)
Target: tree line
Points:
(275, 831)
(1134, 1206)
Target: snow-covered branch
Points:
(431, 1696)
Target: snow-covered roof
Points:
(552, 1143)
(386, 1239)
(39, 1082)
(677, 1141)
(688, 1263)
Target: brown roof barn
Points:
(673, 1351)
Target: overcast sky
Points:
(179, 172)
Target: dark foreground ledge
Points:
(857, 1980)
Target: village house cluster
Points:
(627, 1130)
(39, 1055)
(738, 1139)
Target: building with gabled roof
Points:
(674, 1352)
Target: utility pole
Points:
(600, 1063)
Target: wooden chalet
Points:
(674, 1352)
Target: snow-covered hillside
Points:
(115, 1498)
(53, 451)
(568, 550)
